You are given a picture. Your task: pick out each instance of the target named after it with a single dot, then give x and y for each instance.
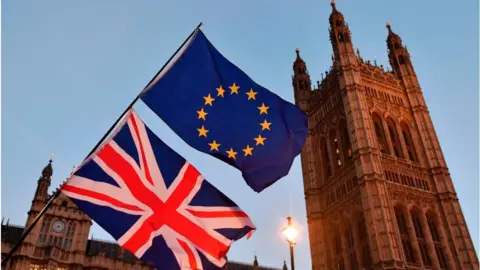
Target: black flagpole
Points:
(58, 190)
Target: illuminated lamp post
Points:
(290, 234)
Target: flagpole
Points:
(58, 190)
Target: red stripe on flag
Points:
(217, 214)
(164, 213)
(191, 257)
(100, 196)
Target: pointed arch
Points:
(345, 139)
(434, 229)
(364, 257)
(327, 171)
(401, 218)
(408, 140)
(337, 249)
(350, 240)
(380, 133)
(394, 138)
(419, 228)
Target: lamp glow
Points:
(290, 232)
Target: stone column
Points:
(428, 238)
(388, 137)
(402, 142)
(413, 239)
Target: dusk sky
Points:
(69, 68)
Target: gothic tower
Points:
(377, 189)
(60, 235)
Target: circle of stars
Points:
(217, 146)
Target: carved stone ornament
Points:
(38, 252)
(370, 102)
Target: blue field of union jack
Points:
(154, 203)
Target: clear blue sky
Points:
(69, 68)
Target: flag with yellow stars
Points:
(217, 109)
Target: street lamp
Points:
(290, 234)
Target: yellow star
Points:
(220, 91)
(202, 114)
(263, 109)
(202, 131)
(231, 153)
(248, 150)
(260, 140)
(234, 89)
(208, 100)
(251, 94)
(265, 125)
(214, 145)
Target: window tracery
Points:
(407, 138)
(392, 130)
(404, 237)
(421, 240)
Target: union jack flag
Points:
(154, 203)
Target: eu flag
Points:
(217, 109)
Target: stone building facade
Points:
(377, 189)
(60, 241)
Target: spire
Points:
(298, 61)
(335, 11)
(398, 55)
(44, 181)
(255, 264)
(393, 38)
(340, 37)
(284, 262)
(47, 171)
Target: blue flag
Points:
(217, 109)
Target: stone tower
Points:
(61, 234)
(377, 189)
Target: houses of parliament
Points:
(378, 191)
(377, 188)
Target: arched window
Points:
(71, 229)
(392, 129)
(404, 237)
(45, 224)
(338, 252)
(422, 242)
(401, 60)
(327, 171)
(64, 203)
(346, 144)
(434, 232)
(351, 248)
(379, 132)
(335, 146)
(301, 85)
(69, 235)
(41, 240)
(363, 238)
(341, 37)
(407, 138)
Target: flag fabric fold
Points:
(217, 109)
(154, 203)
